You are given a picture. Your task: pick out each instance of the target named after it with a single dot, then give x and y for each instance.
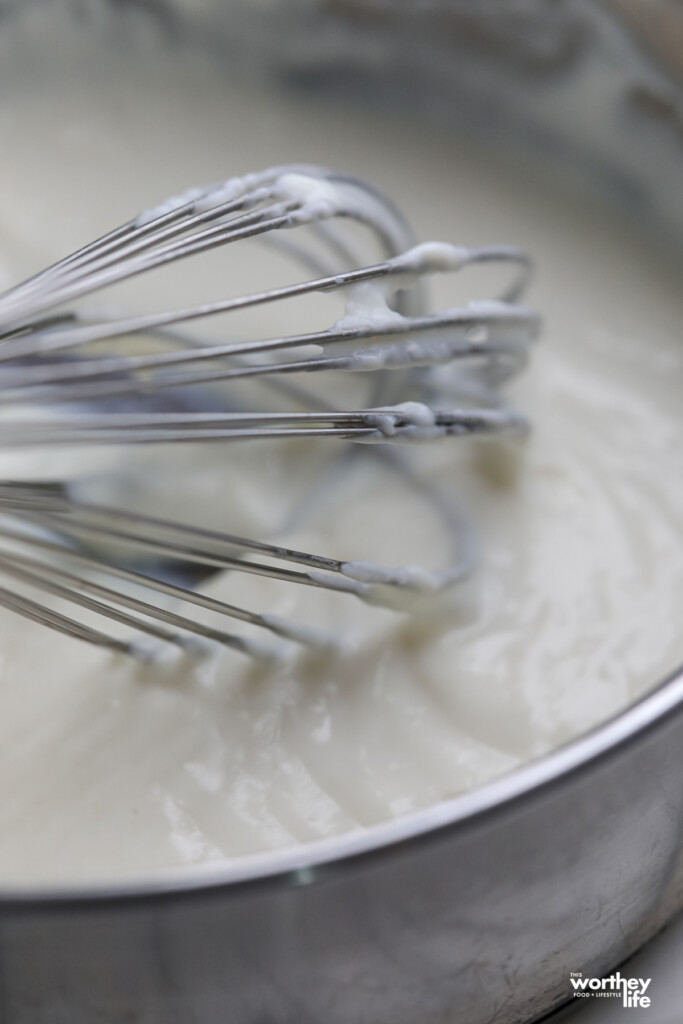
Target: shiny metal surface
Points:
(476, 910)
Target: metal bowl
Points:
(475, 910)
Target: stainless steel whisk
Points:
(68, 377)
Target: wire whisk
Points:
(71, 376)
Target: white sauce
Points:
(110, 768)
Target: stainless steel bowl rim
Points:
(308, 863)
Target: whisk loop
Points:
(43, 521)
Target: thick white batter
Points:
(110, 770)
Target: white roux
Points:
(111, 769)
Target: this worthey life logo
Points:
(632, 991)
